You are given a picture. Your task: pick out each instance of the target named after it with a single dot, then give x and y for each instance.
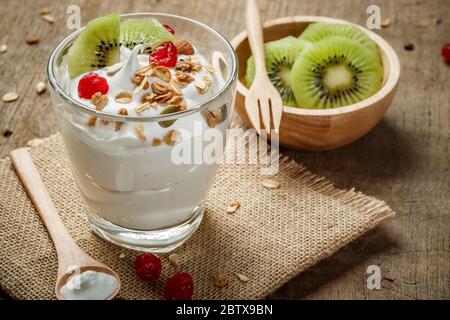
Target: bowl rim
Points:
(389, 85)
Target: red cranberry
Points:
(446, 52)
(179, 287)
(165, 55)
(148, 266)
(91, 84)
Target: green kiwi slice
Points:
(321, 30)
(96, 47)
(335, 72)
(148, 32)
(280, 55)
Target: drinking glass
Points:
(136, 195)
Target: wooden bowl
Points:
(322, 129)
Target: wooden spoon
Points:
(71, 259)
(262, 97)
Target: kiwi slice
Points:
(335, 72)
(280, 55)
(321, 30)
(148, 32)
(97, 46)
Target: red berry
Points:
(446, 52)
(165, 55)
(148, 266)
(169, 28)
(91, 84)
(179, 287)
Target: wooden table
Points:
(404, 160)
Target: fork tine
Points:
(277, 111)
(265, 113)
(251, 107)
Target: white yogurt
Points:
(89, 285)
(125, 181)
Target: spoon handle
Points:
(29, 175)
(255, 35)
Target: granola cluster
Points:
(165, 93)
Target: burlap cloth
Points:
(276, 233)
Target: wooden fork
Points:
(262, 97)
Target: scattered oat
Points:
(160, 89)
(145, 71)
(221, 280)
(183, 65)
(161, 94)
(35, 142)
(183, 78)
(149, 98)
(44, 10)
(196, 67)
(162, 73)
(10, 97)
(195, 62)
(242, 277)
(210, 69)
(203, 85)
(233, 205)
(48, 18)
(91, 121)
(184, 47)
(119, 124)
(156, 142)
(139, 131)
(163, 98)
(271, 184)
(32, 40)
(99, 100)
(207, 80)
(174, 259)
(143, 107)
(212, 117)
(122, 255)
(386, 22)
(112, 70)
(123, 96)
(105, 122)
(175, 88)
(137, 79)
(141, 85)
(193, 59)
(171, 137)
(41, 87)
(3, 48)
(178, 102)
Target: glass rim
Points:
(154, 118)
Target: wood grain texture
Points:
(404, 160)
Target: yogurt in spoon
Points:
(89, 285)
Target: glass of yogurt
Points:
(133, 129)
